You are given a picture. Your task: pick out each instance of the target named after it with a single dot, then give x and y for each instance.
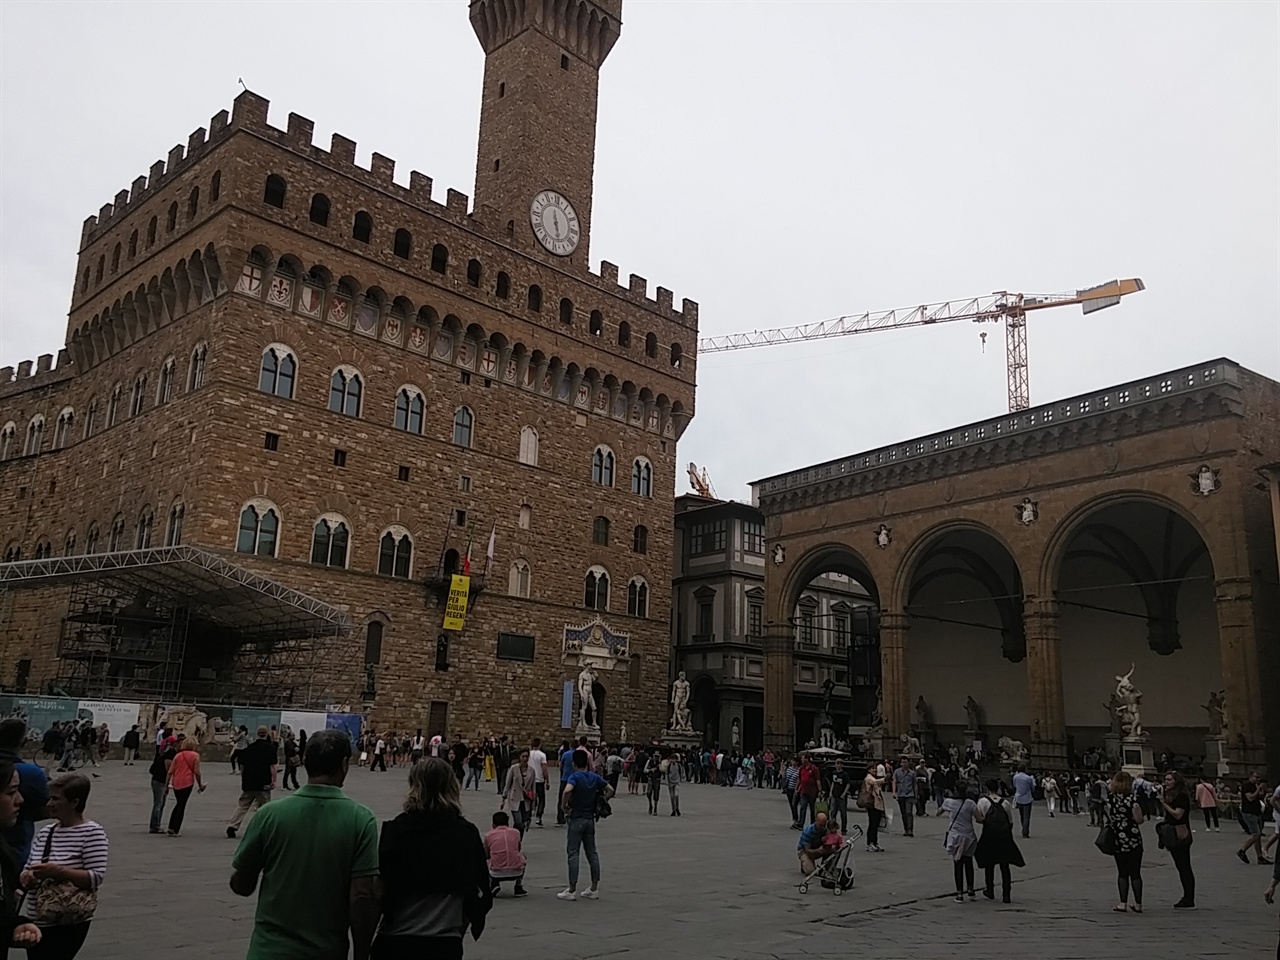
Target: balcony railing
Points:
(704, 638)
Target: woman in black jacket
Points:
(13, 930)
(435, 883)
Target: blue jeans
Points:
(1024, 814)
(157, 804)
(582, 833)
(805, 803)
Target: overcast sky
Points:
(780, 163)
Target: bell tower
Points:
(538, 117)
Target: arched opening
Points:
(832, 604)
(566, 310)
(624, 334)
(439, 258)
(274, 191)
(362, 227)
(473, 273)
(596, 327)
(502, 288)
(535, 298)
(403, 243)
(1135, 585)
(319, 213)
(651, 346)
(964, 604)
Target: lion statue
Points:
(1012, 750)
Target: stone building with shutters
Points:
(297, 393)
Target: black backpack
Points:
(603, 810)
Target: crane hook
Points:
(983, 336)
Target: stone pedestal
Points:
(1215, 757)
(1137, 757)
(1111, 747)
(681, 739)
(588, 730)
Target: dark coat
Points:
(996, 845)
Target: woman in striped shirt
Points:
(73, 849)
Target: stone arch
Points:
(828, 557)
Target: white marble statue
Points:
(586, 697)
(1217, 711)
(1011, 751)
(910, 745)
(680, 704)
(973, 714)
(1129, 698)
(622, 736)
(735, 734)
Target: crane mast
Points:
(1012, 308)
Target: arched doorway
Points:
(964, 603)
(1135, 586)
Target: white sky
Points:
(779, 163)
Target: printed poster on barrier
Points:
(118, 716)
(455, 611)
(294, 721)
(350, 723)
(41, 713)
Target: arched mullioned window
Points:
(113, 405)
(529, 446)
(345, 391)
(319, 213)
(642, 477)
(146, 521)
(139, 399)
(173, 530)
(116, 540)
(7, 436)
(62, 429)
(13, 553)
(165, 392)
(91, 539)
(395, 553)
(278, 371)
(90, 419)
(35, 436)
(535, 298)
(439, 258)
(195, 369)
(43, 549)
(410, 410)
(215, 186)
(259, 531)
(69, 544)
(329, 541)
(273, 192)
(595, 593)
(193, 203)
(638, 597)
(463, 422)
(402, 244)
(362, 227)
(519, 579)
(602, 466)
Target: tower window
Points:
(362, 229)
(624, 334)
(403, 242)
(473, 272)
(439, 258)
(650, 345)
(564, 61)
(502, 289)
(597, 323)
(320, 210)
(566, 310)
(511, 228)
(273, 193)
(535, 298)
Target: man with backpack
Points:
(579, 801)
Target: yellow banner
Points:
(455, 611)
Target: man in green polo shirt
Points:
(317, 854)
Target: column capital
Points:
(1033, 608)
(894, 623)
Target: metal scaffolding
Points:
(181, 623)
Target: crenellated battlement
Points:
(41, 372)
(249, 114)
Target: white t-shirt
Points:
(381, 747)
(418, 743)
(538, 760)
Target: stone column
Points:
(779, 689)
(1238, 647)
(895, 691)
(1048, 746)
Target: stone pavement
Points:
(716, 882)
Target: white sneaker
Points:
(590, 894)
(566, 895)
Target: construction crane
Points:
(1012, 308)
(700, 482)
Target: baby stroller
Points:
(835, 869)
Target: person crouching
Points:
(502, 850)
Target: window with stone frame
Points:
(62, 429)
(706, 537)
(596, 589)
(273, 193)
(519, 578)
(116, 541)
(173, 532)
(755, 612)
(69, 544)
(642, 477)
(638, 598)
(410, 410)
(113, 405)
(808, 610)
(35, 436)
(91, 539)
(195, 368)
(345, 392)
(753, 537)
(139, 399)
(529, 446)
(395, 554)
(146, 520)
(7, 435)
(259, 530)
(600, 531)
(640, 539)
(329, 541)
(278, 372)
(705, 622)
(463, 422)
(602, 466)
(164, 392)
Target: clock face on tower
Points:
(555, 223)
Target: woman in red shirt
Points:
(184, 774)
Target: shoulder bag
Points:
(59, 902)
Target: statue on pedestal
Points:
(1011, 751)
(735, 734)
(1113, 708)
(586, 696)
(1217, 712)
(680, 705)
(622, 735)
(922, 714)
(973, 715)
(910, 745)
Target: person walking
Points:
(1175, 834)
(130, 742)
(1124, 816)
(838, 795)
(1049, 784)
(159, 771)
(503, 756)
(790, 780)
(1252, 793)
(316, 852)
(674, 774)
(519, 792)
(70, 852)
(1096, 791)
(808, 786)
(960, 841)
(538, 763)
(475, 767)
(238, 745)
(653, 774)
(578, 801)
(871, 799)
(1024, 795)
(291, 761)
(12, 930)
(1207, 801)
(34, 786)
(379, 754)
(996, 847)
(184, 776)
(258, 765)
(904, 791)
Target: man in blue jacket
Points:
(33, 784)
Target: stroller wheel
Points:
(838, 890)
(804, 888)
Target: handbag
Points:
(1106, 840)
(1173, 835)
(59, 902)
